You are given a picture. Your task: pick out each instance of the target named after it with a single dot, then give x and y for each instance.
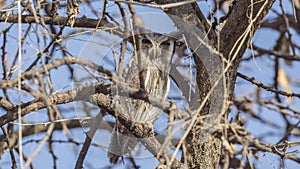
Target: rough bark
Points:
(205, 152)
(239, 20)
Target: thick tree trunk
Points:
(205, 152)
(234, 42)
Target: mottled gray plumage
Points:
(156, 53)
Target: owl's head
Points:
(157, 46)
(157, 49)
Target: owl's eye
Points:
(165, 43)
(146, 41)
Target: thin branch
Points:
(60, 62)
(271, 89)
(88, 139)
(82, 22)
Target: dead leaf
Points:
(284, 82)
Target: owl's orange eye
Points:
(146, 41)
(165, 43)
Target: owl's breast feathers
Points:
(156, 84)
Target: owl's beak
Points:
(156, 51)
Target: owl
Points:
(155, 52)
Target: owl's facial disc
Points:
(157, 47)
(155, 51)
(152, 47)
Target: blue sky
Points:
(260, 68)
